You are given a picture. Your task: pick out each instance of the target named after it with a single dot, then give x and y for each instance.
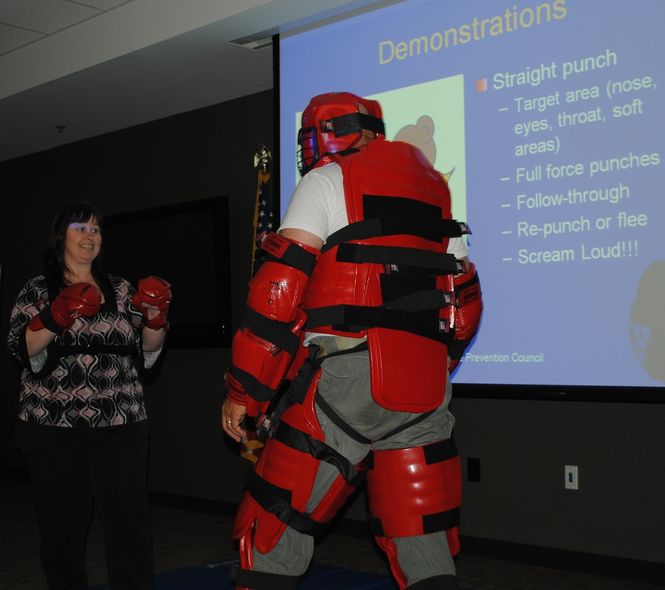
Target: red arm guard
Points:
(266, 342)
(156, 292)
(469, 301)
(80, 299)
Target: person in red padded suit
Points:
(82, 338)
(364, 294)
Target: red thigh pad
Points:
(415, 491)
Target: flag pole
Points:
(250, 448)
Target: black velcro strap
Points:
(277, 501)
(47, 319)
(406, 425)
(352, 123)
(295, 392)
(360, 230)
(279, 333)
(375, 526)
(441, 521)
(117, 349)
(421, 300)
(396, 206)
(354, 318)
(440, 451)
(456, 348)
(432, 523)
(434, 262)
(300, 384)
(301, 441)
(430, 229)
(364, 345)
(256, 389)
(282, 250)
(263, 580)
(466, 284)
(336, 419)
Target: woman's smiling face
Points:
(82, 242)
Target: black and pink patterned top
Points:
(89, 375)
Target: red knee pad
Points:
(416, 491)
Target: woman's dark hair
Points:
(54, 257)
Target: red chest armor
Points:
(387, 275)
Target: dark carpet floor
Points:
(185, 539)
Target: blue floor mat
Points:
(215, 576)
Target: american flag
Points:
(264, 213)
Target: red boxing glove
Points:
(80, 299)
(155, 292)
(468, 313)
(469, 304)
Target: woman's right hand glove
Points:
(153, 298)
(80, 299)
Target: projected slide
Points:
(549, 119)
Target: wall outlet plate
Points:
(572, 477)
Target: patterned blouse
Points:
(89, 375)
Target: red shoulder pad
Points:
(270, 335)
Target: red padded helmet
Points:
(332, 123)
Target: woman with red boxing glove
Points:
(83, 338)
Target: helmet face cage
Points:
(308, 149)
(334, 122)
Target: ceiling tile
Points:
(44, 16)
(103, 4)
(13, 37)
